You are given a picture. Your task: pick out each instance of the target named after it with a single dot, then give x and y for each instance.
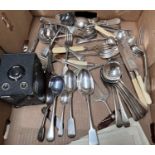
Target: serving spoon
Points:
(85, 85)
(70, 87)
(111, 73)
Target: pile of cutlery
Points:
(113, 42)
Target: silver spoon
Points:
(56, 84)
(70, 87)
(108, 41)
(120, 34)
(112, 75)
(125, 118)
(109, 52)
(82, 41)
(85, 84)
(112, 71)
(139, 52)
(81, 22)
(49, 101)
(64, 100)
(118, 117)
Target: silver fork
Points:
(104, 98)
(68, 38)
(69, 42)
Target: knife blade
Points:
(127, 56)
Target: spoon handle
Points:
(130, 104)
(51, 134)
(82, 41)
(134, 100)
(125, 118)
(93, 138)
(61, 125)
(118, 117)
(71, 121)
(71, 128)
(79, 57)
(41, 132)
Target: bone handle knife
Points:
(104, 32)
(57, 50)
(138, 89)
(142, 86)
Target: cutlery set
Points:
(76, 33)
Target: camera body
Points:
(21, 76)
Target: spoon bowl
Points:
(81, 22)
(70, 81)
(121, 34)
(49, 97)
(136, 50)
(111, 41)
(65, 98)
(85, 82)
(108, 53)
(56, 84)
(112, 72)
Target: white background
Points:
(77, 4)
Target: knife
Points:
(132, 68)
(104, 32)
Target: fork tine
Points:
(71, 36)
(68, 39)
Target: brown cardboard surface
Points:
(146, 23)
(5, 111)
(126, 15)
(130, 26)
(152, 81)
(12, 41)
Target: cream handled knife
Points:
(141, 83)
(132, 68)
(104, 32)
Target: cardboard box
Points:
(25, 26)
